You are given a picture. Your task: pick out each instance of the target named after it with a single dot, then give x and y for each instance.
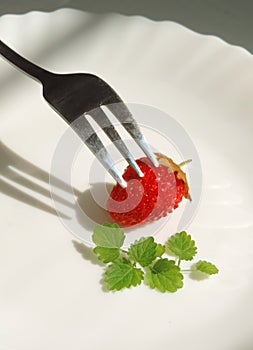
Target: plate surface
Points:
(50, 294)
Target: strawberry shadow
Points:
(92, 204)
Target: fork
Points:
(76, 95)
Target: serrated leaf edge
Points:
(209, 263)
(177, 235)
(130, 283)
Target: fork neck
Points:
(23, 64)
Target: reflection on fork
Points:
(14, 170)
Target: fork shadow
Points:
(19, 180)
(15, 171)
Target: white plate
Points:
(50, 293)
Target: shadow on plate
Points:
(47, 50)
(198, 276)
(87, 205)
(87, 253)
(18, 180)
(215, 17)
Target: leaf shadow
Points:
(87, 253)
(197, 275)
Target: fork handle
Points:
(22, 63)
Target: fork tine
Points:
(88, 135)
(104, 122)
(125, 117)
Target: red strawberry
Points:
(150, 197)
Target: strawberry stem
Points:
(184, 162)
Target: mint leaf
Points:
(143, 251)
(107, 254)
(161, 273)
(119, 275)
(160, 249)
(164, 276)
(182, 245)
(206, 267)
(108, 236)
(115, 225)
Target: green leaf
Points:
(115, 225)
(119, 275)
(164, 276)
(182, 245)
(160, 249)
(108, 236)
(206, 267)
(107, 254)
(143, 251)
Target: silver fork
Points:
(78, 94)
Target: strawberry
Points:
(150, 197)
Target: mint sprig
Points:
(144, 259)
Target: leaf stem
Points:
(124, 251)
(178, 262)
(189, 270)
